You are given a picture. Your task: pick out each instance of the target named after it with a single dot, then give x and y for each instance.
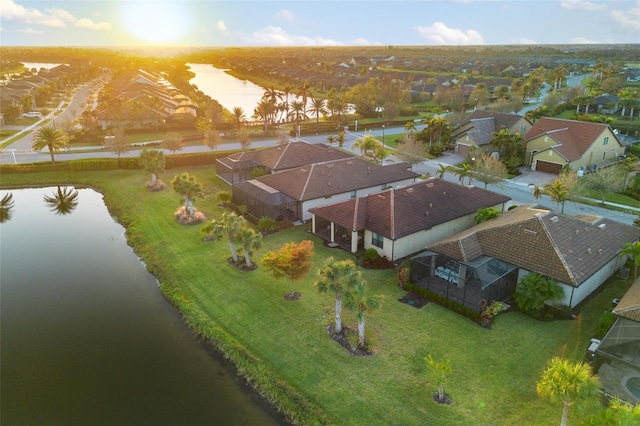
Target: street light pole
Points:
(383, 136)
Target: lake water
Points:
(229, 91)
(87, 337)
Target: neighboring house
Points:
(620, 349)
(553, 143)
(477, 129)
(606, 103)
(579, 253)
(401, 221)
(239, 166)
(291, 193)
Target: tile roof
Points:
(286, 156)
(485, 123)
(573, 137)
(335, 177)
(564, 248)
(629, 305)
(402, 211)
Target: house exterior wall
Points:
(594, 155)
(521, 126)
(574, 295)
(538, 144)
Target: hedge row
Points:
(128, 163)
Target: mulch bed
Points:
(445, 399)
(343, 340)
(414, 299)
(292, 296)
(241, 265)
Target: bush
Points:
(605, 323)
(266, 224)
(371, 254)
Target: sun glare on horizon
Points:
(156, 22)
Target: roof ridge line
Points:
(306, 184)
(275, 166)
(557, 250)
(392, 205)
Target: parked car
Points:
(32, 114)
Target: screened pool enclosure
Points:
(466, 283)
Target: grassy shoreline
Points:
(282, 347)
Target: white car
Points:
(32, 114)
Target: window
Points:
(377, 239)
(353, 194)
(604, 155)
(606, 141)
(523, 129)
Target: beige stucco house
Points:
(553, 143)
(401, 221)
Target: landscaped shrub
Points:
(605, 323)
(533, 291)
(266, 224)
(371, 254)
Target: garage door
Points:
(546, 167)
(463, 149)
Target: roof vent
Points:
(409, 190)
(430, 185)
(577, 231)
(602, 226)
(530, 231)
(554, 219)
(589, 250)
(430, 205)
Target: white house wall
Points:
(319, 202)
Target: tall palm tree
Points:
(571, 383)
(239, 117)
(298, 112)
(250, 240)
(444, 168)
(465, 171)
(50, 137)
(271, 95)
(558, 192)
(304, 91)
(62, 201)
(359, 301)
(337, 276)
(318, 108)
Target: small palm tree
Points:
(239, 117)
(49, 137)
(357, 300)
(337, 276)
(228, 225)
(534, 290)
(368, 146)
(444, 168)
(250, 240)
(633, 250)
(332, 139)
(187, 186)
(571, 383)
(558, 192)
(465, 171)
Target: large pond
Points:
(87, 337)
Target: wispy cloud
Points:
(30, 31)
(628, 19)
(222, 28)
(55, 18)
(439, 33)
(582, 5)
(285, 16)
(276, 36)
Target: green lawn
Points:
(286, 349)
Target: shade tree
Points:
(292, 261)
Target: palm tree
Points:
(49, 137)
(228, 225)
(6, 204)
(465, 171)
(534, 290)
(483, 215)
(250, 240)
(558, 192)
(152, 161)
(444, 168)
(357, 300)
(239, 117)
(368, 145)
(304, 91)
(62, 201)
(264, 111)
(287, 91)
(298, 113)
(187, 186)
(337, 276)
(633, 250)
(331, 139)
(571, 383)
(318, 108)
(271, 95)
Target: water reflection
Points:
(62, 201)
(6, 204)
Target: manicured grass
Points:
(613, 198)
(286, 349)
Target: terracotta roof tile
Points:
(629, 305)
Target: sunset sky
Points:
(316, 23)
